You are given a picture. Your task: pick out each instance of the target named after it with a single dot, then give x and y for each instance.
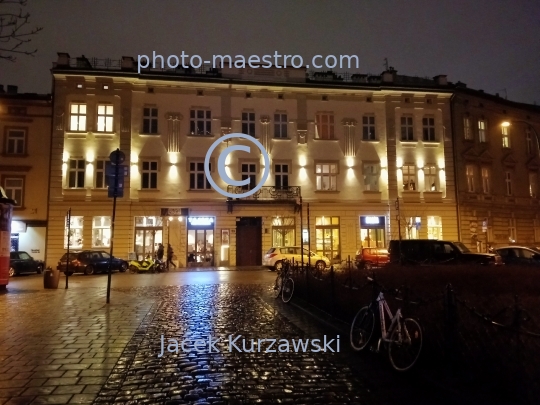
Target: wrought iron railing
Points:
(269, 193)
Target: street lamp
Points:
(506, 124)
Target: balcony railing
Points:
(269, 193)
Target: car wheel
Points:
(12, 272)
(278, 265)
(320, 265)
(89, 270)
(39, 269)
(123, 267)
(368, 266)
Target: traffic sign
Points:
(117, 157)
(110, 169)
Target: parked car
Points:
(512, 255)
(370, 257)
(275, 255)
(90, 262)
(432, 251)
(21, 262)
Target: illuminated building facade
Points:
(347, 147)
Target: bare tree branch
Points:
(14, 30)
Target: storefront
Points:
(283, 231)
(327, 237)
(148, 235)
(372, 231)
(200, 241)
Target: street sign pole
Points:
(68, 227)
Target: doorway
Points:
(146, 241)
(249, 241)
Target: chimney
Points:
(63, 59)
(128, 63)
(441, 80)
(389, 76)
(11, 89)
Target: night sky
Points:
(492, 45)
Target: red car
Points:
(370, 257)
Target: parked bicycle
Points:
(403, 338)
(284, 284)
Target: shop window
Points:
(327, 241)
(75, 233)
(372, 231)
(283, 231)
(412, 227)
(101, 231)
(434, 228)
(148, 235)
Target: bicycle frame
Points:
(383, 307)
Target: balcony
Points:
(266, 195)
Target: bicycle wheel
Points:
(405, 345)
(362, 328)
(278, 286)
(288, 290)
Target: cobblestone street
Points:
(63, 346)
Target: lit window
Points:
(76, 173)
(508, 180)
(280, 125)
(77, 121)
(283, 231)
(15, 142)
(249, 171)
(101, 232)
(327, 237)
(248, 123)
(533, 184)
(412, 227)
(105, 118)
(407, 132)
(101, 179)
(428, 129)
(482, 131)
(149, 174)
(512, 230)
(485, 180)
(467, 130)
(434, 227)
(409, 177)
(324, 128)
(14, 188)
(430, 178)
(469, 172)
(368, 128)
(200, 122)
(150, 120)
(371, 177)
(281, 176)
(505, 137)
(326, 175)
(197, 176)
(75, 233)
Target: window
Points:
(485, 180)
(412, 227)
(428, 129)
(467, 130)
(101, 232)
(528, 136)
(505, 137)
(101, 178)
(76, 173)
(434, 227)
(200, 122)
(324, 128)
(371, 177)
(430, 178)
(407, 133)
(75, 233)
(15, 141)
(508, 180)
(327, 237)
(197, 176)
(511, 230)
(150, 120)
(368, 128)
(14, 188)
(77, 120)
(469, 173)
(105, 118)
(249, 171)
(248, 123)
(409, 177)
(281, 175)
(149, 174)
(482, 131)
(533, 184)
(326, 175)
(283, 231)
(280, 125)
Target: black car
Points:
(520, 255)
(90, 262)
(432, 251)
(22, 262)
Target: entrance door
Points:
(200, 247)
(146, 241)
(249, 241)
